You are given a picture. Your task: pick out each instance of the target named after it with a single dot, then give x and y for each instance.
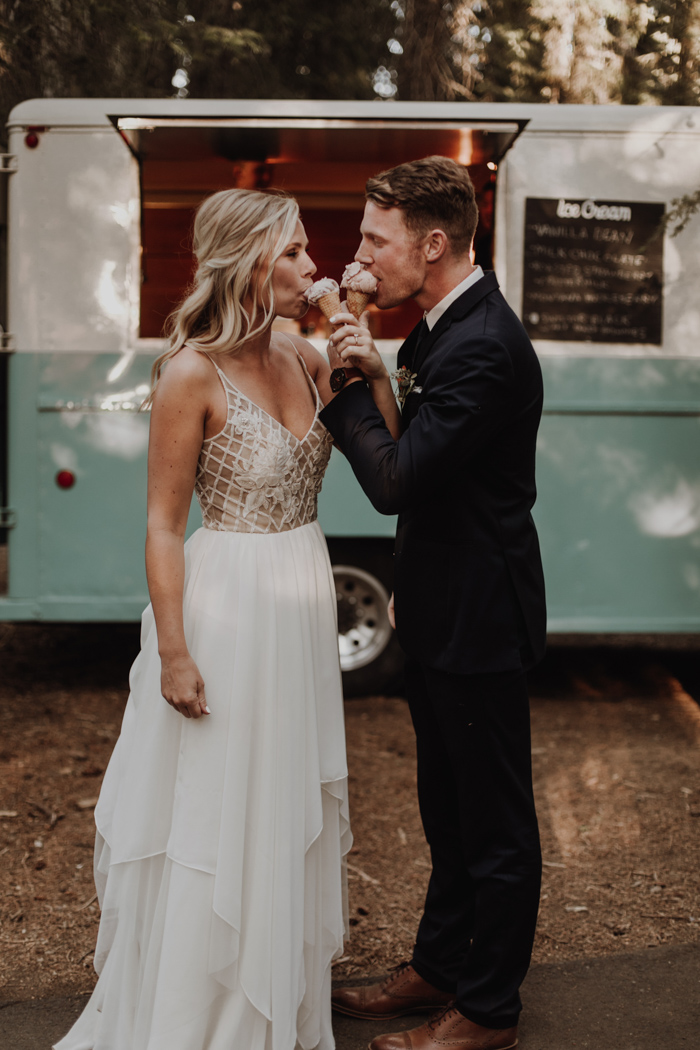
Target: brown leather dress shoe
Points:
(449, 1030)
(402, 992)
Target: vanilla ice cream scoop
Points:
(326, 286)
(326, 295)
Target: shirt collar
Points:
(434, 315)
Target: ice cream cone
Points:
(360, 286)
(357, 303)
(329, 303)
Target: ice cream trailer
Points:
(101, 194)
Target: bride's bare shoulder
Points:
(187, 366)
(187, 383)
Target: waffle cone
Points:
(357, 303)
(329, 303)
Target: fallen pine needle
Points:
(81, 906)
(363, 874)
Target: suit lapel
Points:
(455, 312)
(407, 348)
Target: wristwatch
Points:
(340, 376)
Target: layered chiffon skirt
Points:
(220, 841)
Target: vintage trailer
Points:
(101, 194)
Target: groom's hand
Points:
(352, 346)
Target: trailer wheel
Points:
(370, 657)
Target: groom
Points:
(469, 602)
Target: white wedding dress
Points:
(220, 841)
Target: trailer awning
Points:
(312, 140)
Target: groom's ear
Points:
(435, 245)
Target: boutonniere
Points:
(405, 382)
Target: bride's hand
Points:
(182, 686)
(355, 347)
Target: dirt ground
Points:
(615, 751)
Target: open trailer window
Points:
(323, 163)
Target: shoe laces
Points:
(396, 971)
(441, 1016)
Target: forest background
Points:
(547, 51)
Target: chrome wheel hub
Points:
(363, 624)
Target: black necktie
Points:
(422, 332)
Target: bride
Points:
(223, 818)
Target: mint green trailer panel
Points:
(78, 553)
(618, 509)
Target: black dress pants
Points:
(478, 812)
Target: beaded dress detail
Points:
(255, 476)
(219, 855)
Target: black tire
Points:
(370, 656)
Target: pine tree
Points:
(496, 50)
(512, 52)
(581, 64)
(670, 45)
(314, 49)
(191, 48)
(435, 52)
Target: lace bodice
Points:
(255, 475)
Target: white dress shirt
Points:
(434, 315)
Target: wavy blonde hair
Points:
(238, 237)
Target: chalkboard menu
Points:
(593, 271)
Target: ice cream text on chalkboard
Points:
(590, 210)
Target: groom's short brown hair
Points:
(434, 192)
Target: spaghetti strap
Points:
(210, 358)
(229, 390)
(222, 374)
(230, 387)
(314, 388)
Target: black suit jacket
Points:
(469, 589)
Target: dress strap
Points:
(208, 355)
(229, 385)
(230, 389)
(312, 385)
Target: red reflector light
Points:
(65, 479)
(31, 140)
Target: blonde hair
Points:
(238, 237)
